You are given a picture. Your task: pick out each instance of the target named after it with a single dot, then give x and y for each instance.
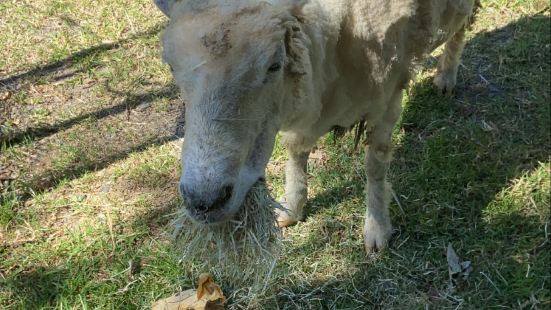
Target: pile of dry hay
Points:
(240, 253)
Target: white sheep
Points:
(249, 69)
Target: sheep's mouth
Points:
(221, 215)
(215, 217)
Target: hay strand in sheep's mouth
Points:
(241, 253)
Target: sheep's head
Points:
(237, 65)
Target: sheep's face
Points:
(232, 68)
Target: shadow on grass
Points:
(54, 69)
(455, 157)
(40, 180)
(63, 69)
(35, 133)
(37, 288)
(98, 275)
(49, 178)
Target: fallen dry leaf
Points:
(5, 95)
(207, 289)
(453, 260)
(208, 296)
(458, 269)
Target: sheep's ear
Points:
(296, 47)
(164, 6)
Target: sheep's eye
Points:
(171, 69)
(275, 67)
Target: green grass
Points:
(89, 170)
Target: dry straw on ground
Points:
(240, 253)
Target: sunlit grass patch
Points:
(154, 168)
(84, 235)
(528, 195)
(519, 219)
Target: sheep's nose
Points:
(206, 202)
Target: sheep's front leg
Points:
(296, 189)
(377, 228)
(446, 74)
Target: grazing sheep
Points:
(250, 69)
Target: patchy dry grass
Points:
(89, 128)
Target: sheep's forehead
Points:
(212, 36)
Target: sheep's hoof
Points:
(286, 216)
(377, 233)
(445, 82)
